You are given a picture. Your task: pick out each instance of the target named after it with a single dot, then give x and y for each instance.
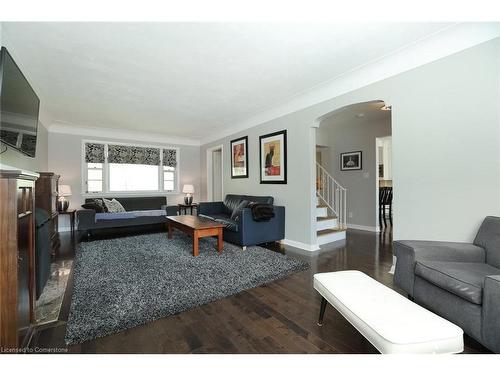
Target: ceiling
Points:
(190, 79)
(362, 113)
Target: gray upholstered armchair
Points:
(458, 281)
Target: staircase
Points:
(331, 201)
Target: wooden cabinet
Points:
(46, 199)
(17, 257)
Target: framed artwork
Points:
(350, 161)
(273, 158)
(239, 158)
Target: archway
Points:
(351, 170)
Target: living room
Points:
(166, 195)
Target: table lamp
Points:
(188, 190)
(62, 202)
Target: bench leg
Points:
(322, 311)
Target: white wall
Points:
(356, 134)
(65, 158)
(217, 175)
(445, 132)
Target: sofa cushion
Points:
(231, 202)
(230, 224)
(207, 216)
(139, 203)
(215, 216)
(465, 280)
(236, 212)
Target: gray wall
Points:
(355, 135)
(445, 118)
(65, 158)
(292, 195)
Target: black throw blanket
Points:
(261, 211)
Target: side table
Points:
(183, 208)
(72, 213)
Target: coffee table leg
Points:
(169, 228)
(220, 243)
(195, 244)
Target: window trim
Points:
(105, 170)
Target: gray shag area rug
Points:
(125, 282)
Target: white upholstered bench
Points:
(391, 322)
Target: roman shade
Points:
(133, 155)
(169, 157)
(94, 153)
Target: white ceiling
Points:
(190, 79)
(363, 113)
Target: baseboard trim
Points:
(363, 227)
(300, 245)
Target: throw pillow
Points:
(100, 204)
(113, 205)
(92, 206)
(236, 212)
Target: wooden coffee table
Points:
(196, 227)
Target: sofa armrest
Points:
(491, 313)
(207, 208)
(85, 219)
(171, 210)
(256, 232)
(409, 252)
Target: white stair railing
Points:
(332, 194)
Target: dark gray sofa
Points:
(86, 218)
(459, 281)
(244, 230)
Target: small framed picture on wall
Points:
(239, 158)
(351, 161)
(273, 158)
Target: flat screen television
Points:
(19, 106)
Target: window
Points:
(119, 168)
(133, 177)
(168, 178)
(94, 177)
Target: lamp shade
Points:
(64, 190)
(188, 189)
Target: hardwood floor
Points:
(279, 317)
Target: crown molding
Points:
(446, 42)
(63, 127)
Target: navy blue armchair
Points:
(241, 228)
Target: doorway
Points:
(384, 192)
(215, 176)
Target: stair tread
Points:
(322, 218)
(324, 232)
(320, 206)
